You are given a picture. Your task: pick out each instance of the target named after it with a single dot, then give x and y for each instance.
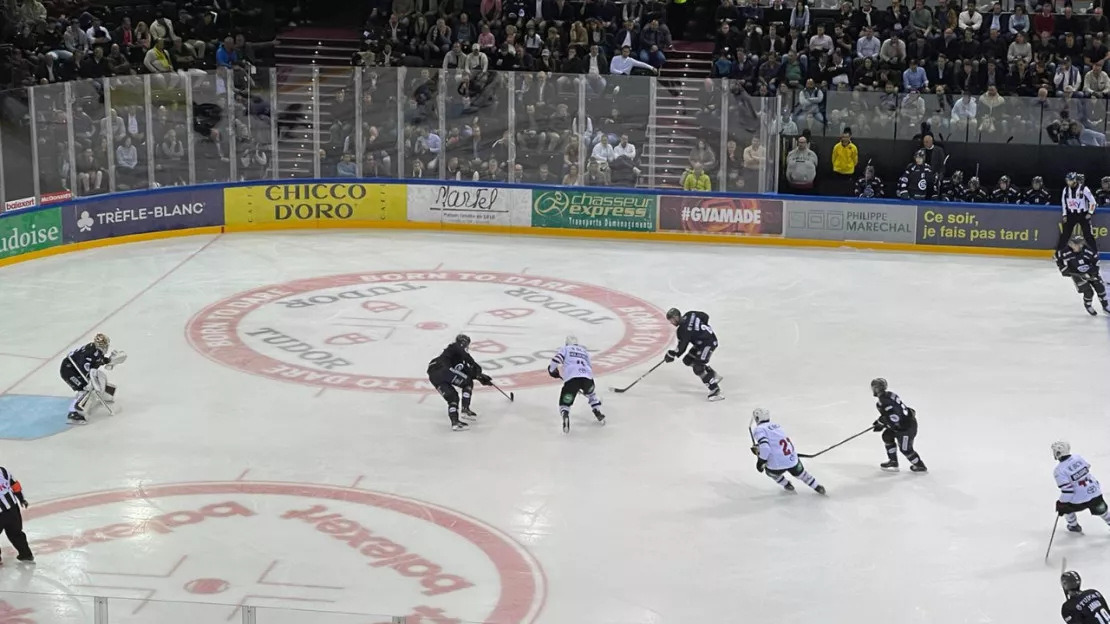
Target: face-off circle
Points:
(299, 546)
(365, 331)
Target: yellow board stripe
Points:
(669, 237)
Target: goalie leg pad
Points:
(80, 402)
(98, 380)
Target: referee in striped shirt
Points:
(1079, 208)
(11, 519)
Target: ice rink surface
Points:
(238, 469)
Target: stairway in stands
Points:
(298, 55)
(681, 83)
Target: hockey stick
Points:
(508, 396)
(629, 386)
(88, 384)
(835, 445)
(1051, 538)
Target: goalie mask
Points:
(102, 343)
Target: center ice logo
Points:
(377, 331)
(278, 545)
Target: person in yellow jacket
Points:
(845, 159)
(697, 180)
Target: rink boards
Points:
(536, 210)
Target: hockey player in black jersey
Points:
(974, 193)
(1079, 262)
(918, 181)
(694, 332)
(1102, 195)
(952, 189)
(1083, 606)
(1005, 193)
(81, 370)
(870, 185)
(454, 367)
(1037, 194)
(898, 423)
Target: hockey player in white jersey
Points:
(572, 364)
(776, 455)
(1079, 489)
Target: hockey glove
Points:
(755, 450)
(759, 464)
(671, 355)
(485, 379)
(878, 426)
(554, 372)
(1062, 508)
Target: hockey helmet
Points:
(1070, 582)
(1004, 182)
(869, 171)
(1060, 449)
(572, 340)
(1038, 182)
(463, 341)
(674, 316)
(957, 177)
(1105, 183)
(973, 182)
(761, 415)
(1082, 178)
(102, 343)
(1076, 242)
(1071, 177)
(919, 157)
(878, 386)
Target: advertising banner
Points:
(1008, 228)
(142, 213)
(469, 205)
(47, 198)
(314, 204)
(720, 215)
(594, 210)
(25, 231)
(870, 221)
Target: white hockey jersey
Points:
(1077, 484)
(774, 447)
(575, 360)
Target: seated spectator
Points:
(487, 43)
(653, 40)
(965, 110)
(624, 157)
(75, 39)
(996, 20)
(543, 176)
(696, 179)
(702, 153)
(595, 175)
(893, 52)
(1019, 50)
(970, 19)
(477, 62)
(624, 63)
(867, 17)
(162, 27)
(572, 178)
(1097, 24)
(157, 60)
(810, 102)
(914, 78)
(1067, 78)
(95, 66)
(897, 17)
(1045, 21)
(1019, 22)
(603, 152)
(799, 17)
(348, 168)
(118, 61)
(1096, 51)
(868, 46)
(994, 46)
(1096, 83)
(922, 20)
(127, 160)
(820, 43)
(90, 175)
(793, 70)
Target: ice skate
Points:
(566, 424)
(77, 419)
(466, 412)
(1075, 528)
(918, 467)
(459, 426)
(789, 487)
(600, 417)
(890, 466)
(715, 395)
(820, 489)
(1090, 308)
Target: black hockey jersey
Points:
(893, 413)
(1102, 197)
(917, 182)
(1008, 195)
(1036, 197)
(455, 358)
(1082, 262)
(86, 358)
(694, 329)
(951, 191)
(870, 188)
(1086, 607)
(975, 196)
